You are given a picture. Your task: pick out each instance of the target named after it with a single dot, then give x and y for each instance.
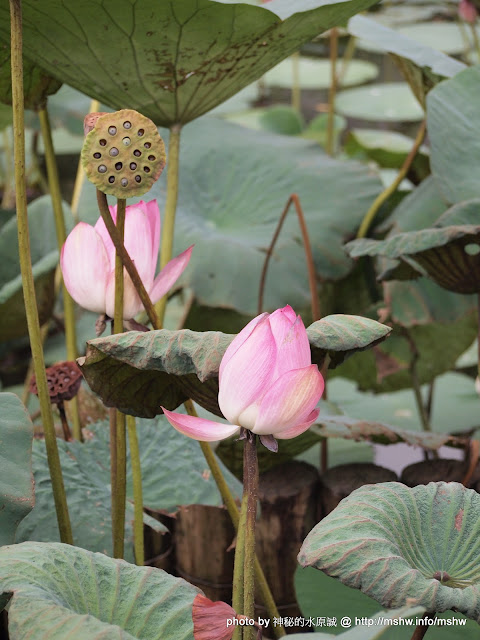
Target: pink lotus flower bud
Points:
(467, 11)
(88, 261)
(267, 382)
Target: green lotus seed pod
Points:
(123, 155)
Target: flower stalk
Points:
(250, 484)
(27, 275)
(137, 491)
(68, 304)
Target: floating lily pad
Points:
(16, 480)
(44, 253)
(316, 74)
(420, 540)
(388, 102)
(280, 119)
(137, 372)
(59, 591)
(387, 148)
(453, 125)
(177, 59)
(442, 36)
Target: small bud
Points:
(467, 11)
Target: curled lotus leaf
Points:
(404, 545)
(139, 371)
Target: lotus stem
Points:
(68, 304)
(421, 629)
(476, 41)
(119, 466)
(347, 58)
(250, 488)
(330, 142)
(137, 491)
(296, 90)
(27, 275)
(80, 177)
(238, 593)
(390, 190)
(166, 248)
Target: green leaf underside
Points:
(165, 456)
(16, 480)
(176, 61)
(398, 544)
(136, 371)
(60, 591)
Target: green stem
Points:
(168, 227)
(330, 143)
(476, 41)
(238, 594)
(347, 58)
(119, 489)
(27, 275)
(296, 90)
(390, 190)
(137, 491)
(68, 304)
(250, 488)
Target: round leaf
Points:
(62, 592)
(389, 102)
(398, 544)
(316, 74)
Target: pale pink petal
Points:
(292, 432)
(286, 312)
(101, 229)
(131, 300)
(85, 267)
(153, 214)
(212, 620)
(169, 275)
(290, 400)
(293, 347)
(247, 375)
(199, 428)
(237, 342)
(138, 243)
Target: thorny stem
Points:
(330, 143)
(137, 491)
(390, 190)
(68, 304)
(80, 177)
(229, 502)
(126, 260)
(166, 248)
(119, 472)
(250, 489)
(27, 275)
(296, 89)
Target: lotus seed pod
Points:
(123, 155)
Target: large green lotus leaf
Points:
(37, 85)
(231, 196)
(316, 74)
(400, 544)
(139, 371)
(440, 36)
(62, 592)
(448, 255)
(388, 102)
(317, 594)
(453, 123)
(16, 480)
(173, 61)
(166, 457)
(44, 254)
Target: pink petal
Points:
(131, 300)
(153, 214)
(169, 275)
(101, 229)
(292, 343)
(210, 619)
(85, 267)
(247, 375)
(292, 432)
(199, 428)
(237, 342)
(290, 400)
(138, 243)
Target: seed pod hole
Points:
(127, 125)
(124, 182)
(138, 178)
(151, 158)
(133, 166)
(111, 179)
(146, 169)
(102, 168)
(137, 153)
(114, 151)
(103, 142)
(147, 145)
(97, 155)
(118, 166)
(112, 130)
(141, 132)
(126, 141)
